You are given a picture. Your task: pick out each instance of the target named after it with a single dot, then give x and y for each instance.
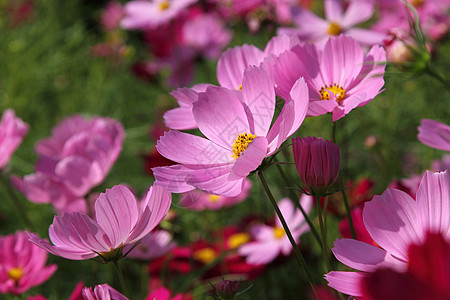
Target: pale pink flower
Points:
(340, 78)
(239, 135)
(102, 292)
(119, 221)
(434, 134)
(141, 14)
(206, 34)
(395, 221)
(12, 131)
(153, 245)
(317, 30)
(76, 158)
(22, 264)
(270, 241)
(111, 16)
(198, 200)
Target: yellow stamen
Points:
(15, 274)
(417, 3)
(334, 29)
(213, 198)
(238, 239)
(240, 87)
(164, 5)
(337, 91)
(278, 232)
(205, 255)
(241, 144)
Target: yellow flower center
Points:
(240, 87)
(238, 239)
(417, 3)
(241, 144)
(338, 93)
(213, 198)
(278, 232)
(164, 5)
(15, 274)
(334, 29)
(205, 255)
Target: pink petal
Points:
(433, 203)
(291, 116)
(281, 43)
(191, 149)
(434, 134)
(173, 178)
(357, 12)
(234, 61)
(391, 221)
(362, 256)
(220, 116)
(321, 107)
(250, 159)
(333, 10)
(366, 36)
(117, 213)
(346, 282)
(259, 95)
(180, 118)
(259, 253)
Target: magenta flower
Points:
(339, 78)
(12, 131)
(434, 134)
(119, 221)
(76, 158)
(111, 16)
(198, 200)
(153, 245)
(394, 221)
(239, 135)
(206, 34)
(151, 14)
(22, 264)
(102, 292)
(317, 162)
(270, 241)
(314, 29)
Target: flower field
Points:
(225, 149)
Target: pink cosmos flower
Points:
(198, 200)
(395, 221)
(119, 221)
(230, 71)
(206, 34)
(111, 16)
(151, 14)
(22, 264)
(314, 29)
(76, 158)
(153, 245)
(102, 292)
(12, 131)
(270, 241)
(317, 162)
(434, 134)
(239, 135)
(339, 78)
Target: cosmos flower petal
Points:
(333, 9)
(346, 282)
(66, 253)
(391, 221)
(433, 203)
(366, 36)
(357, 12)
(434, 134)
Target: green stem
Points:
(299, 206)
(433, 73)
(119, 273)
(299, 255)
(323, 235)
(344, 195)
(16, 202)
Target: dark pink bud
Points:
(317, 163)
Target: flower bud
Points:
(317, 163)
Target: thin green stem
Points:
(16, 202)
(433, 73)
(119, 273)
(299, 206)
(299, 255)
(344, 195)
(323, 235)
